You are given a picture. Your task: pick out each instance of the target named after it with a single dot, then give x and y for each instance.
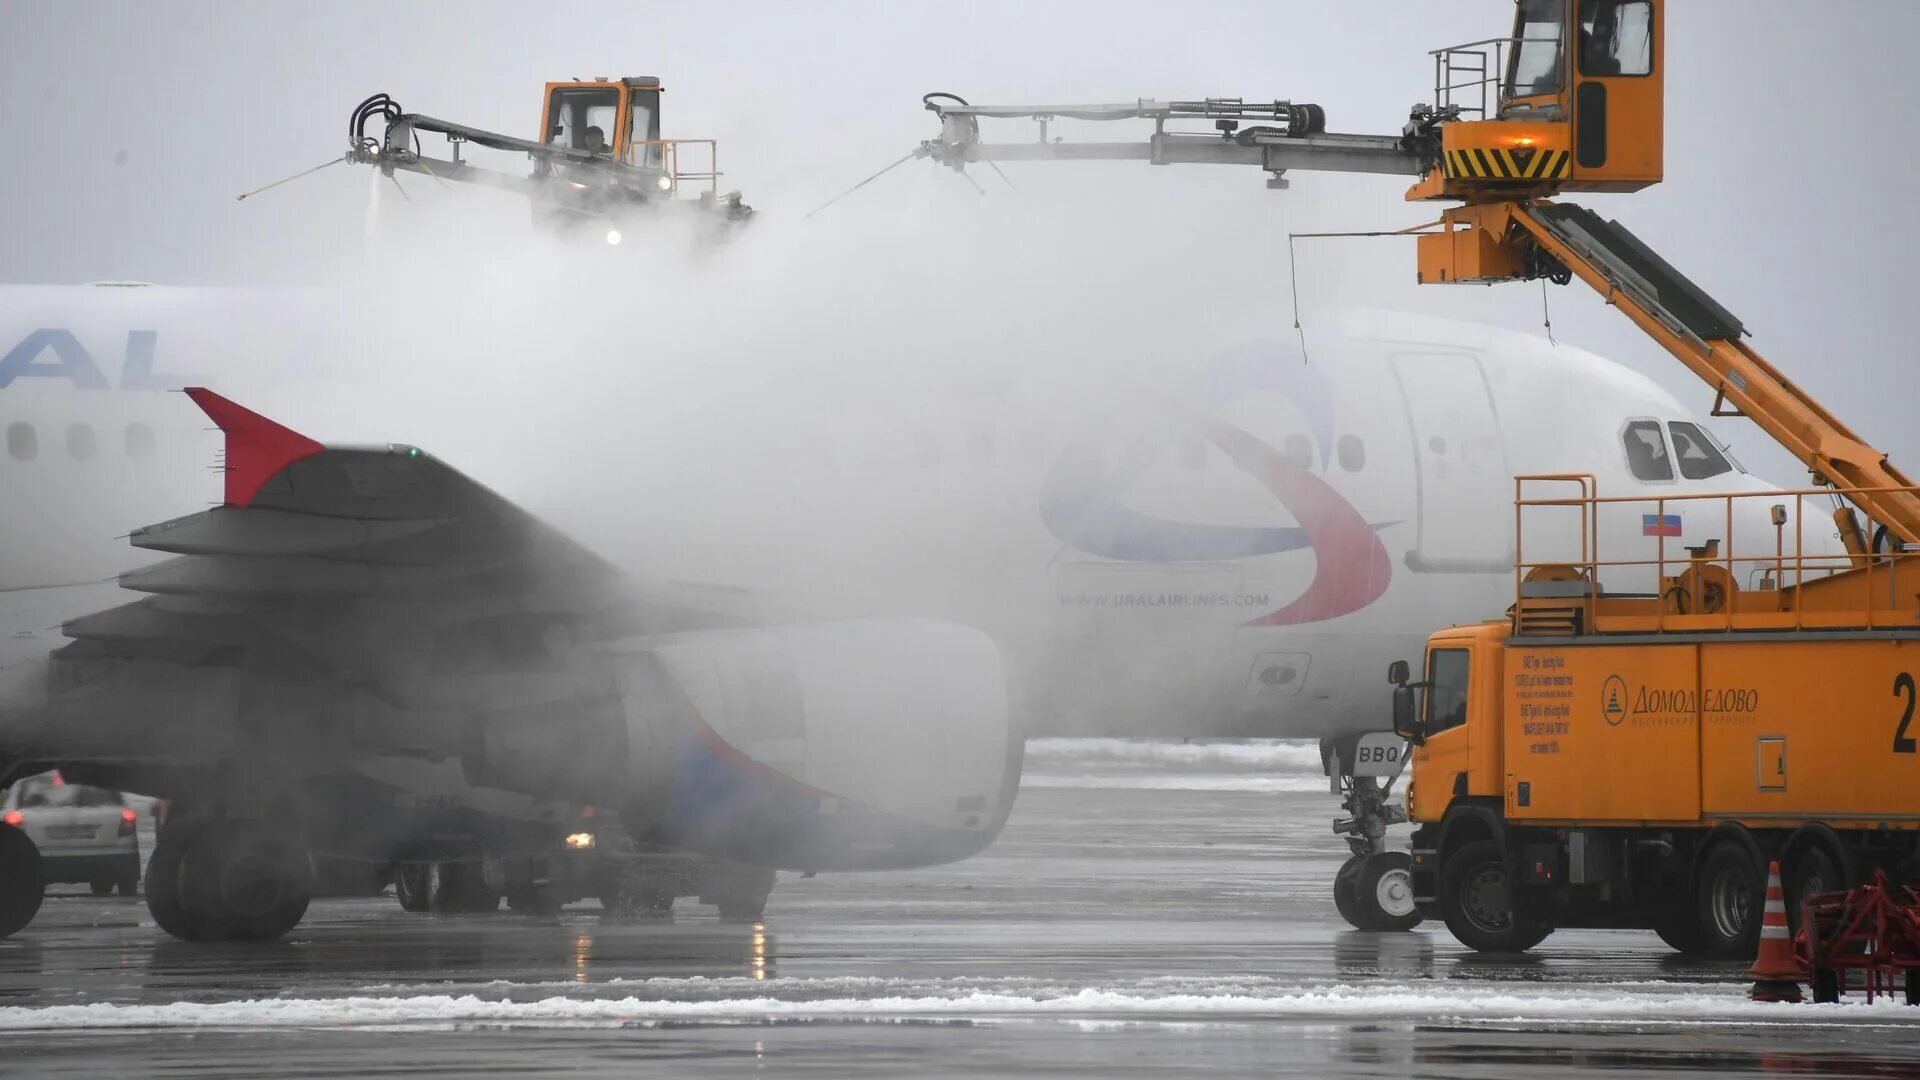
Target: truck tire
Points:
(1813, 871)
(1383, 892)
(1477, 903)
(1730, 893)
(21, 884)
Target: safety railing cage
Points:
(670, 157)
(1690, 561)
(1472, 78)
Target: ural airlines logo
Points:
(50, 353)
(1082, 504)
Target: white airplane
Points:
(367, 642)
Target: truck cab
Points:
(1454, 796)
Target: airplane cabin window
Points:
(139, 442)
(1699, 458)
(1647, 451)
(81, 442)
(23, 443)
(1351, 452)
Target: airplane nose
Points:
(1792, 534)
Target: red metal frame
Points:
(1874, 928)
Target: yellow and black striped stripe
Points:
(1523, 164)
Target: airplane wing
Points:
(375, 590)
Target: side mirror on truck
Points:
(1406, 706)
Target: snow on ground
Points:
(1561, 1007)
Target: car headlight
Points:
(580, 841)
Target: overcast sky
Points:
(131, 127)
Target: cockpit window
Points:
(1699, 458)
(1647, 451)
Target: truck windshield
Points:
(1616, 37)
(1535, 65)
(582, 117)
(1446, 689)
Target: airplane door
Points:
(1465, 488)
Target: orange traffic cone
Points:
(1776, 970)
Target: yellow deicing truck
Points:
(1646, 778)
(1637, 738)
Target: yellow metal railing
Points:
(1787, 567)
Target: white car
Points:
(85, 834)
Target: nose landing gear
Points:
(1373, 889)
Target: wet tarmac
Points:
(1147, 909)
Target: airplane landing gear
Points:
(1373, 889)
(227, 881)
(20, 882)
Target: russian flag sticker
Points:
(1659, 524)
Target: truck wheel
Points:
(1383, 892)
(21, 885)
(1477, 902)
(100, 886)
(1813, 871)
(1731, 893)
(410, 885)
(1345, 894)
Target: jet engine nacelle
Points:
(858, 745)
